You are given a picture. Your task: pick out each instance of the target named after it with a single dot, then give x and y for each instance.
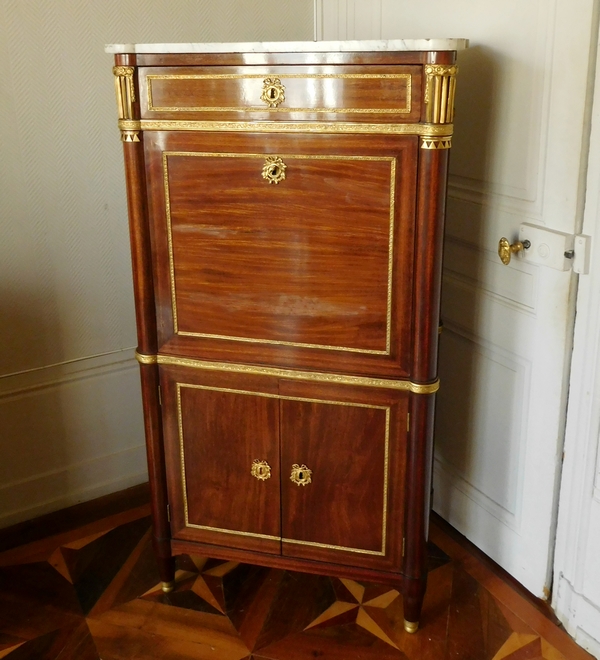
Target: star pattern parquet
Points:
(94, 594)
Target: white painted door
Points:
(520, 141)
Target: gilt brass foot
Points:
(411, 626)
(168, 586)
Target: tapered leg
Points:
(414, 592)
(166, 571)
(417, 512)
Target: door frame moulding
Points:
(578, 528)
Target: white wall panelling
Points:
(69, 432)
(65, 273)
(576, 597)
(519, 145)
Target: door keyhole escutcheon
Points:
(301, 475)
(506, 250)
(261, 470)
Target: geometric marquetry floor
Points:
(94, 593)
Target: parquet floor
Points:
(93, 593)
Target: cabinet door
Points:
(350, 445)
(222, 452)
(313, 270)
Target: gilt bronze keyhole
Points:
(274, 169)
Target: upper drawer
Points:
(373, 94)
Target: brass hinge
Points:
(168, 513)
(408, 423)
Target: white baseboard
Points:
(69, 433)
(579, 616)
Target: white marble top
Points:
(295, 46)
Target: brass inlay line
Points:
(170, 240)
(337, 547)
(388, 328)
(316, 76)
(269, 395)
(232, 531)
(388, 332)
(183, 333)
(311, 376)
(298, 127)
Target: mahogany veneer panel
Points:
(354, 442)
(215, 429)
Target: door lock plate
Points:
(548, 247)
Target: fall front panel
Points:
(282, 249)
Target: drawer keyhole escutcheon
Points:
(273, 92)
(261, 470)
(274, 169)
(300, 474)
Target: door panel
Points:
(314, 270)
(215, 430)
(350, 445)
(504, 355)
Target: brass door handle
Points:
(506, 250)
(301, 475)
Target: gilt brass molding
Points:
(130, 130)
(440, 87)
(429, 142)
(129, 125)
(312, 376)
(428, 129)
(130, 136)
(125, 90)
(144, 358)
